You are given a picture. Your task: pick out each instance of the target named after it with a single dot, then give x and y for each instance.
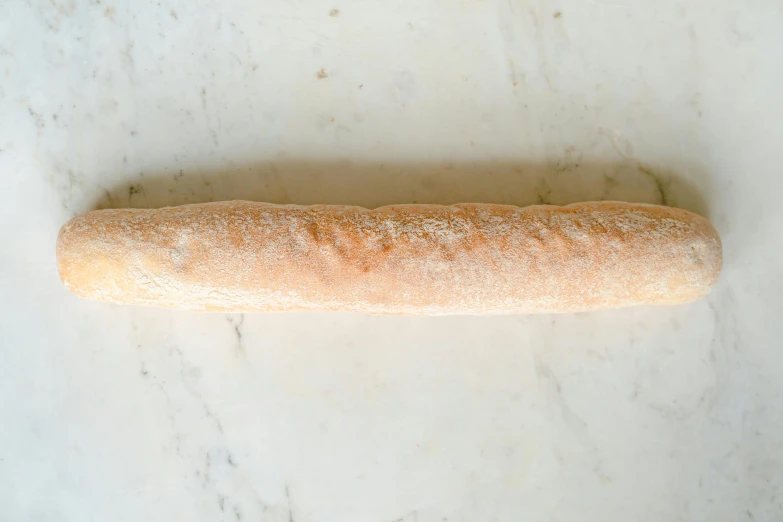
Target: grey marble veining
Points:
(648, 414)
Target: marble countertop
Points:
(646, 414)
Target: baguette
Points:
(239, 256)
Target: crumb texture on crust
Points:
(240, 256)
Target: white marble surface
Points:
(649, 414)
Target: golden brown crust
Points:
(240, 256)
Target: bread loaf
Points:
(239, 256)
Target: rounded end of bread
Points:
(65, 252)
(86, 262)
(707, 251)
